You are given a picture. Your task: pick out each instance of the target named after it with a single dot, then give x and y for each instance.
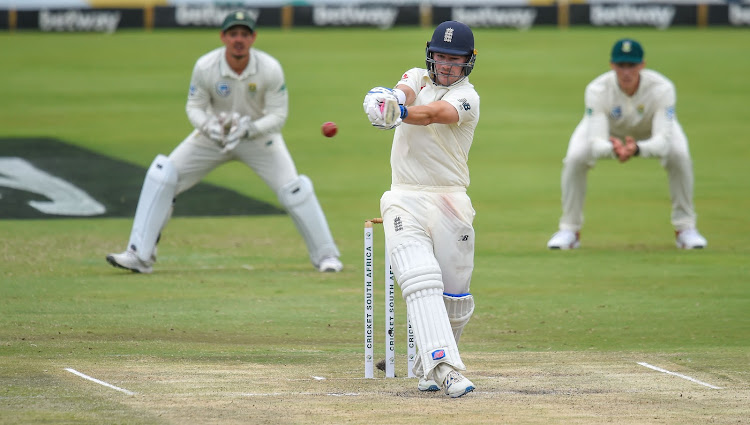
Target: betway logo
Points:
(203, 16)
(655, 16)
(381, 17)
(520, 18)
(738, 15)
(77, 20)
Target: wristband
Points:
(637, 150)
(400, 95)
(404, 111)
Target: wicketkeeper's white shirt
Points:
(648, 115)
(436, 154)
(259, 92)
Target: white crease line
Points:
(299, 394)
(84, 376)
(678, 375)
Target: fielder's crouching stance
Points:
(427, 215)
(238, 104)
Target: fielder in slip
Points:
(238, 104)
(630, 111)
(427, 215)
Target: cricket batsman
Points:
(427, 215)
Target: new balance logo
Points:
(463, 238)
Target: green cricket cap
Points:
(238, 18)
(627, 51)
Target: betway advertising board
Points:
(382, 15)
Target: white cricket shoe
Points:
(128, 260)
(689, 239)
(427, 385)
(330, 264)
(565, 239)
(457, 385)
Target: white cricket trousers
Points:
(439, 219)
(580, 159)
(267, 156)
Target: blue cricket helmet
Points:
(451, 38)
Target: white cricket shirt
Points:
(259, 92)
(648, 116)
(435, 154)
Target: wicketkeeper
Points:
(427, 215)
(238, 104)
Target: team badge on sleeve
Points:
(670, 112)
(192, 90)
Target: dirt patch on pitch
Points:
(519, 388)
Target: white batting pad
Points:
(298, 198)
(418, 274)
(460, 308)
(433, 330)
(154, 207)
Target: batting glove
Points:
(374, 104)
(374, 98)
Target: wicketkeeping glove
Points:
(242, 127)
(214, 130)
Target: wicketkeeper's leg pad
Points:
(154, 207)
(298, 198)
(418, 274)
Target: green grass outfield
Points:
(234, 325)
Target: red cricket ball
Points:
(329, 129)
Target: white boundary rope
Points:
(658, 369)
(84, 376)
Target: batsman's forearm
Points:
(430, 114)
(419, 115)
